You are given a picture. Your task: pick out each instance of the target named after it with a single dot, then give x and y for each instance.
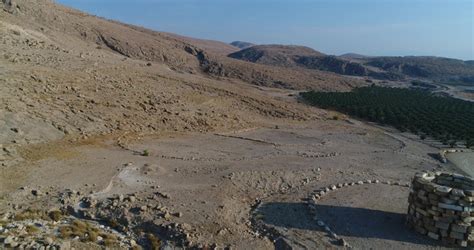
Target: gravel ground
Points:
(216, 185)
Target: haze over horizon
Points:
(369, 27)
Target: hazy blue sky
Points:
(371, 27)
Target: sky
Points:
(369, 27)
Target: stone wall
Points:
(441, 206)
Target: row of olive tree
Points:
(446, 119)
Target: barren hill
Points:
(300, 57)
(209, 45)
(443, 70)
(277, 55)
(70, 73)
(433, 68)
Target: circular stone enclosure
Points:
(441, 206)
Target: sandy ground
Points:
(214, 180)
(463, 161)
(120, 127)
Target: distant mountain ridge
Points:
(241, 45)
(384, 68)
(307, 58)
(353, 56)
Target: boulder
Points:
(9, 6)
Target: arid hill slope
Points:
(67, 73)
(179, 53)
(304, 58)
(433, 68)
(277, 55)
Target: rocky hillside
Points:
(434, 68)
(276, 55)
(385, 68)
(208, 45)
(306, 58)
(66, 73)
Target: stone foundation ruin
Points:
(441, 206)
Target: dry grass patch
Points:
(55, 215)
(31, 214)
(31, 229)
(3, 223)
(86, 232)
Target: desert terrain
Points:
(116, 136)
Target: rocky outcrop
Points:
(333, 64)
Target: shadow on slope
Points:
(344, 221)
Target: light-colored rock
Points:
(9, 239)
(48, 240)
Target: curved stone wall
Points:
(441, 206)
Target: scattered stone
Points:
(16, 130)
(8, 240)
(36, 192)
(342, 242)
(48, 240)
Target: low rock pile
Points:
(441, 206)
